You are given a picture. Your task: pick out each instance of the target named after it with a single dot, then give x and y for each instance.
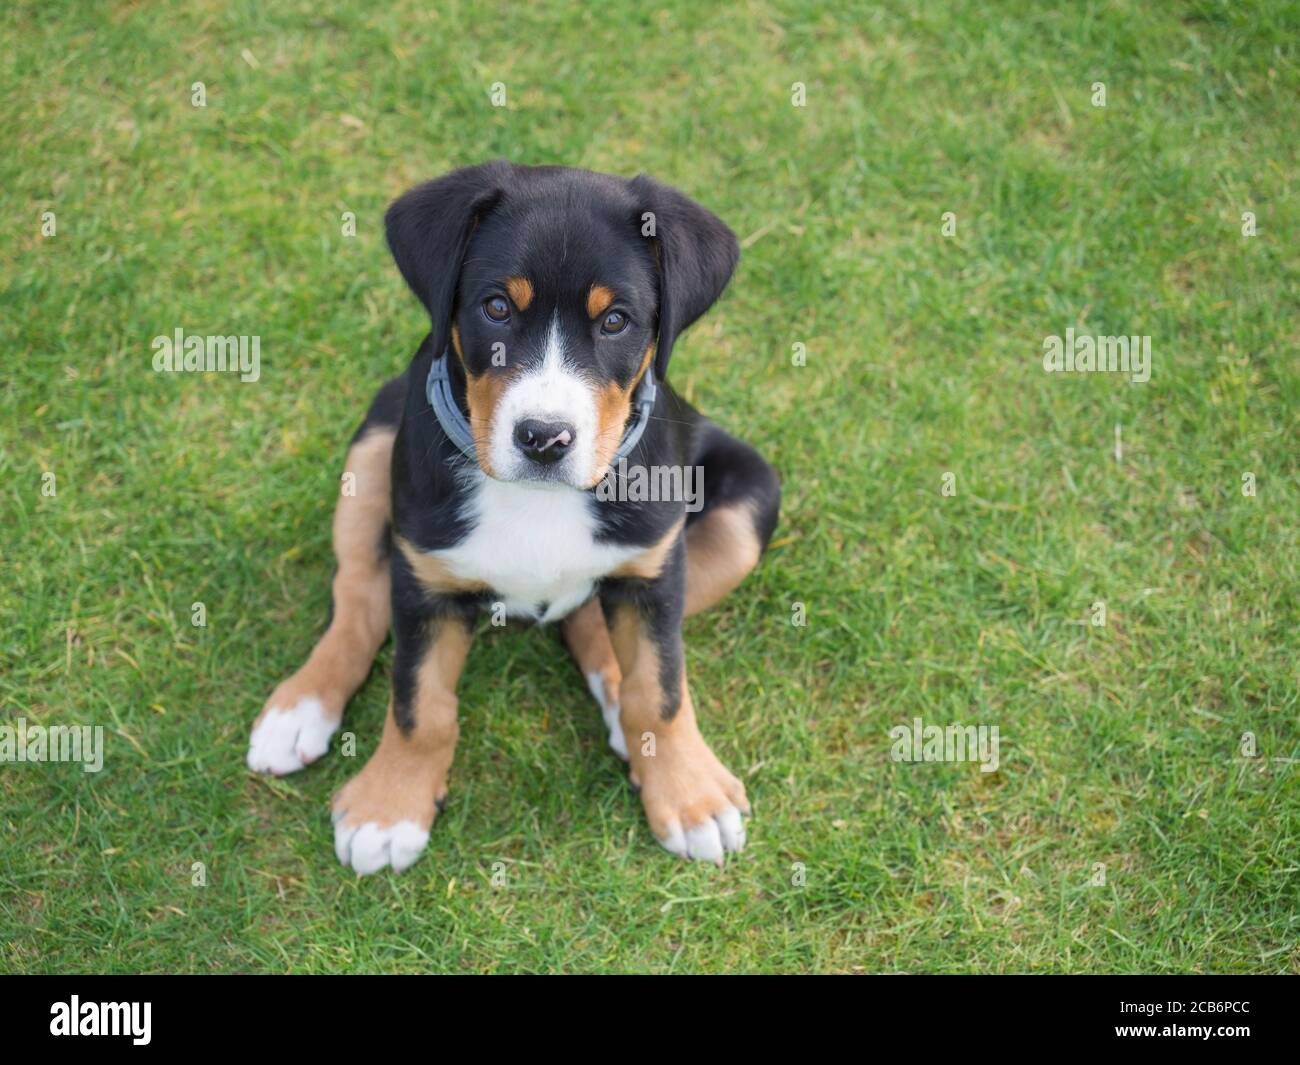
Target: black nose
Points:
(544, 441)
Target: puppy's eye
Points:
(497, 309)
(615, 322)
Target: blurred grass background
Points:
(1120, 745)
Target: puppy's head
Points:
(556, 291)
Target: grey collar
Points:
(454, 424)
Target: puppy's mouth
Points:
(558, 475)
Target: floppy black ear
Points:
(697, 254)
(429, 228)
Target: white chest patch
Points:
(534, 545)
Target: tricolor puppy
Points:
(472, 485)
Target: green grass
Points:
(1120, 745)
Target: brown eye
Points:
(497, 309)
(615, 322)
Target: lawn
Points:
(953, 513)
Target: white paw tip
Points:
(369, 847)
(285, 741)
(703, 843)
(675, 841)
(709, 841)
(731, 829)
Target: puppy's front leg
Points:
(382, 815)
(694, 805)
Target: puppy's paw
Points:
(370, 846)
(604, 689)
(694, 805)
(290, 734)
(383, 819)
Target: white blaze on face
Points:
(551, 391)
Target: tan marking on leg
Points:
(650, 563)
(721, 548)
(341, 660)
(598, 300)
(683, 785)
(638, 660)
(406, 777)
(613, 408)
(432, 574)
(520, 290)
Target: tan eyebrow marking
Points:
(598, 300)
(521, 291)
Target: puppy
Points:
(487, 476)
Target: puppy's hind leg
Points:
(587, 637)
(295, 725)
(742, 498)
